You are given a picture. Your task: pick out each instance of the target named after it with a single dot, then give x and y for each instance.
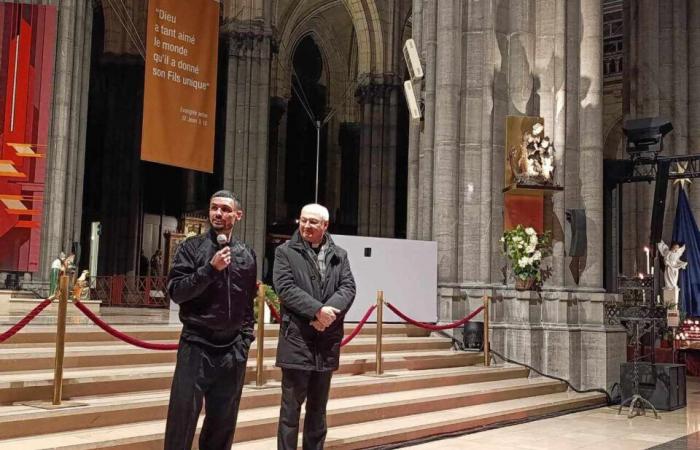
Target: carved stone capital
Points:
(377, 88)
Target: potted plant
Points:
(524, 249)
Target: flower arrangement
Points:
(525, 249)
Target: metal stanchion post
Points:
(60, 340)
(487, 359)
(259, 373)
(380, 317)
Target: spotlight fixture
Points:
(645, 136)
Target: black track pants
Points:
(212, 375)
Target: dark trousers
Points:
(215, 376)
(297, 386)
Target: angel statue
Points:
(81, 288)
(673, 263)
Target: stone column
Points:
(414, 137)
(66, 154)
(247, 112)
(425, 152)
(550, 89)
(693, 99)
(590, 104)
(447, 121)
(377, 156)
(277, 157)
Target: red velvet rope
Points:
(25, 320)
(359, 326)
(273, 311)
(428, 326)
(118, 334)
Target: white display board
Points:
(405, 270)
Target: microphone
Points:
(222, 240)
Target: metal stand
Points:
(637, 402)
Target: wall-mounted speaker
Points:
(576, 232)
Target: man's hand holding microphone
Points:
(221, 258)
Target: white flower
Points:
(522, 262)
(503, 239)
(517, 239)
(530, 231)
(537, 256)
(533, 239)
(530, 248)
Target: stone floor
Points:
(597, 429)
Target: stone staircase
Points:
(428, 389)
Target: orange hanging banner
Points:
(179, 100)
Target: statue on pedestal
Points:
(55, 273)
(81, 288)
(673, 263)
(533, 160)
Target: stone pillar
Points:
(413, 191)
(377, 171)
(277, 148)
(247, 112)
(447, 121)
(428, 51)
(590, 104)
(550, 89)
(693, 99)
(66, 154)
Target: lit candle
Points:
(646, 250)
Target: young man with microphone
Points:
(213, 279)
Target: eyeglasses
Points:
(310, 221)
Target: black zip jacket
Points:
(215, 311)
(302, 292)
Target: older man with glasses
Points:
(312, 277)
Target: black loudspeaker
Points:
(473, 335)
(662, 384)
(576, 219)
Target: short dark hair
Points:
(224, 193)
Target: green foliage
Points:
(271, 297)
(525, 249)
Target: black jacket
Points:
(298, 283)
(214, 311)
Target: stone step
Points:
(416, 426)
(20, 421)
(90, 333)
(41, 357)
(261, 422)
(37, 384)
